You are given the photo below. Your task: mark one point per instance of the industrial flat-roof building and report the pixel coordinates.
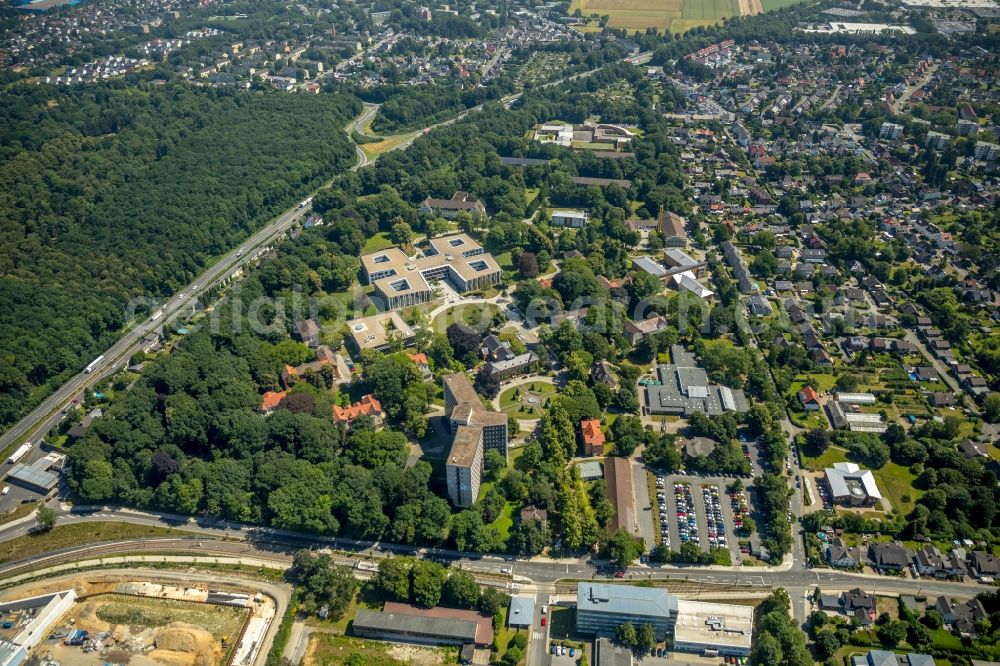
(400, 281)
(601, 607)
(606, 653)
(41, 476)
(717, 629)
(855, 421)
(851, 485)
(684, 389)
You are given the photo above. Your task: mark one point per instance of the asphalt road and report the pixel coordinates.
(358, 125)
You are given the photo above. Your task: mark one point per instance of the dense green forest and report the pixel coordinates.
(114, 192)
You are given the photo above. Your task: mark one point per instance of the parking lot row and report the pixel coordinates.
(696, 510)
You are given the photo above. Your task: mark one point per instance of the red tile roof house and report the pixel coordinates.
(271, 400)
(367, 406)
(593, 438)
(809, 398)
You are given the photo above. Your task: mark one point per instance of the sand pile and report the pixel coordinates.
(182, 644)
(87, 619)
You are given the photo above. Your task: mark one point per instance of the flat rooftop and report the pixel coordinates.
(704, 623)
(403, 275)
(374, 332)
(625, 600)
(465, 445)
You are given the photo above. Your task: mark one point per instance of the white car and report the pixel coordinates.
(506, 570)
(545, 610)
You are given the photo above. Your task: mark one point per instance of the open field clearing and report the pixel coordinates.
(335, 650)
(674, 15)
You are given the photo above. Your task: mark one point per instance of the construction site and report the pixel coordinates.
(100, 618)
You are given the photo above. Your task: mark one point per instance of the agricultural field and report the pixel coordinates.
(674, 15)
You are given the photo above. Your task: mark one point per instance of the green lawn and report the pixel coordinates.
(771, 5)
(896, 481)
(505, 520)
(478, 315)
(823, 382)
(379, 241)
(832, 455)
(519, 408)
(504, 260)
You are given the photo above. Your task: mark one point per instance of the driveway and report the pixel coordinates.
(643, 508)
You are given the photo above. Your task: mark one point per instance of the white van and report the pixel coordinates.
(6, 489)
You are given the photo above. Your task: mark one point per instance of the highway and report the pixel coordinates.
(358, 125)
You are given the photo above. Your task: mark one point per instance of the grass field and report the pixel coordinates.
(771, 5)
(897, 484)
(477, 315)
(334, 650)
(543, 391)
(832, 455)
(379, 241)
(219, 621)
(373, 150)
(64, 536)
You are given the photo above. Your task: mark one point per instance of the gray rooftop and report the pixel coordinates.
(522, 611)
(33, 475)
(684, 388)
(650, 266)
(460, 630)
(625, 600)
(591, 469)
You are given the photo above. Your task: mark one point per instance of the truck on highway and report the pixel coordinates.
(156, 315)
(306, 202)
(19, 453)
(93, 364)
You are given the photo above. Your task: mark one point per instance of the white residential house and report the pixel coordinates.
(569, 218)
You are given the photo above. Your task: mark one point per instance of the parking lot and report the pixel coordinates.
(697, 509)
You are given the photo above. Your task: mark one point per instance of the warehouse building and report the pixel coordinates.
(41, 476)
(713, 629)
(600, 608)
(428, 626)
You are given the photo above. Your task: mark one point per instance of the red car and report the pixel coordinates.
(545, 621)
(619, 574)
